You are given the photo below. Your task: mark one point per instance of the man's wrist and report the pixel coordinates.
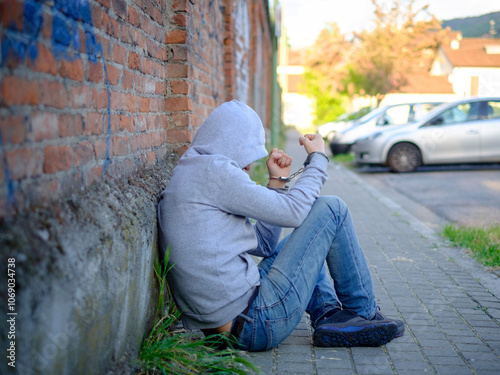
(277, 183)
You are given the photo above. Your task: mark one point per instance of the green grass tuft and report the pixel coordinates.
(484, 243)
(170, 350)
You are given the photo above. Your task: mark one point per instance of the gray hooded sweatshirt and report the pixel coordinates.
(204, 216)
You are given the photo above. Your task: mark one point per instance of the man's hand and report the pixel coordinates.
(278, 165)
(312, 142)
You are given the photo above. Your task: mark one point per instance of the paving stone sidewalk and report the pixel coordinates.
(452, 319)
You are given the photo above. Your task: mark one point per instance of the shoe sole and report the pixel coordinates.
(369, 335)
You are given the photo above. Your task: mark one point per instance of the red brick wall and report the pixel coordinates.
(96, 89)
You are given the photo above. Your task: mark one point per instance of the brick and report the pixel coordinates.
(54, 94)
(12, 14)
(141, 123)
(179, 87)
(94, 72)
(100, 147)
(143, 104)
(177, 71)
(134, 61)
(94, 124)
(82, 153)
(115, 123)
(178, 136)
(72, 69)
(180, 20)
(133, 17)
(182, 120)
(44, 125)
(96, 12)
(180, 53)
(70, 125)
(151, 158)
(45, 62)
(140, 41)
(181, 5)
(14, 130)
(160, 88)
(127, 123)
(146, 65)
(179, 104)
(111, 26)
(128, 80)
(131, 103)
(181, 150)
(47, 25)
(113, 74)
(176, 37)
(80, 96)
(19, 91)
(120, 145)
(23, 162)
(100, 98)
(120, 54)
(57, 158)
(120, 8)
(129, 35)
(105, 3)
(118, 100)
(157, 70)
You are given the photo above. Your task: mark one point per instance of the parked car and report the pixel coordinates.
(343, 121)
(387, 116)
(466, 131)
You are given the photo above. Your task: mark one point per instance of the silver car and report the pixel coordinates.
(465, 131)
(381, 118)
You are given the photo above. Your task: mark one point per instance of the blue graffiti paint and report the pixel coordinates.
(8, 181)
(22, 43)
(65, 44)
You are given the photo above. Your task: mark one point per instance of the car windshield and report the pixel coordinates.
(370, 115)
(433, 112)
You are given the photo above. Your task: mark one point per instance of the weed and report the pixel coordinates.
(484, 243)
(169, 350)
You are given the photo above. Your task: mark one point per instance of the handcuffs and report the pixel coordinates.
(306, 163)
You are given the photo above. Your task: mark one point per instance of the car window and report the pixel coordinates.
(455, 114)
(493, 109)
(398, 115)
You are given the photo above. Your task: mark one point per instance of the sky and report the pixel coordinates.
(305, 18)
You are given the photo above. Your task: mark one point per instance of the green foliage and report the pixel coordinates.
(484, 243)
(328, 104)
(169, 350)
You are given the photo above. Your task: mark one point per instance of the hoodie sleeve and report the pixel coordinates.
(239, 195)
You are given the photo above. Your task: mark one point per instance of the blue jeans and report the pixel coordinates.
(294, 279)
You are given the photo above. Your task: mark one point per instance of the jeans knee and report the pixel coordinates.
(333, 203)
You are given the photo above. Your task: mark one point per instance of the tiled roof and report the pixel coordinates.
(471, 52)
(426, 84)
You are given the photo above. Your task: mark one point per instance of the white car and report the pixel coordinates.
(465, 131)
(385, 117)
(344, 121)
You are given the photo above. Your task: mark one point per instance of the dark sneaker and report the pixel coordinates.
(346, 328)
(399, 323)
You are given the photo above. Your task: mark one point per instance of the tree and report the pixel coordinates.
(402, 42)
(323, 77)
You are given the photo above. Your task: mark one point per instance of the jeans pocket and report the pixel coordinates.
(277, 330)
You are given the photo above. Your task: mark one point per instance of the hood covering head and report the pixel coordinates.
(233, 130)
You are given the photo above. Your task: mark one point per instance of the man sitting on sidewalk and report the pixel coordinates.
(213, 216)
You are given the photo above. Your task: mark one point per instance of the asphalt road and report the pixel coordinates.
(467, 195)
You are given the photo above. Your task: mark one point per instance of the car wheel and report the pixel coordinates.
(404, 157)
